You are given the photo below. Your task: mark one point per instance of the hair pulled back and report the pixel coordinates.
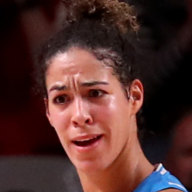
(106, 28)
(110, 11)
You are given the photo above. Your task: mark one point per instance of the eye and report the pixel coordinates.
(96, 93)
(61, 99)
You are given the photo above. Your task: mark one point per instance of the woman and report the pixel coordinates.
(92, 95)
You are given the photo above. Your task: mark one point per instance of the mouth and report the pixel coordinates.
(87, 141)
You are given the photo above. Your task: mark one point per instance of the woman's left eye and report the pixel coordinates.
(96, 93)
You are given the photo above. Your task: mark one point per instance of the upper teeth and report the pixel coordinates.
(87, 139)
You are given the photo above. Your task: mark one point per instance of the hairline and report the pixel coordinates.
(91, 51)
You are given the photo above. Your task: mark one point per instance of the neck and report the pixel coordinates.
(125, 173)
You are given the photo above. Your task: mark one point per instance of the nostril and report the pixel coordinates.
(81, 122)
(87, 121)
(75, 123)
(81, 118)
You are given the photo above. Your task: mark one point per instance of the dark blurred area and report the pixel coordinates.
(26, 24)
(179, 156)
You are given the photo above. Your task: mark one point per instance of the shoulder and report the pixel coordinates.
(161, 180)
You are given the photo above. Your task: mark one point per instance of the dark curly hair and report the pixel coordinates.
(106, 28)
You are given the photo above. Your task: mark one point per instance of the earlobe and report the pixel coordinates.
(47, 109)
(136, 95)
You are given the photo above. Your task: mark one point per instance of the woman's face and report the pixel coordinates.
(89, 109)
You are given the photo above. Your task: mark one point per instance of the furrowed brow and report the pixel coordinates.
(92, 83)
(84, 84)
(58, 88)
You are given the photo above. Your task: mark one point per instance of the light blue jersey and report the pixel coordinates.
(159, 180)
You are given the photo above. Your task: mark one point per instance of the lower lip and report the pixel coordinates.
(88, 148)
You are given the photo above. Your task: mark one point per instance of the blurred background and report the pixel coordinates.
(26, 24)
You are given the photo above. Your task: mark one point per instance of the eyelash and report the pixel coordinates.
(99, 92)
(64, 97)
(93, 93)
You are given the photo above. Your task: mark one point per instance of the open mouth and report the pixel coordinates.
(87, 142)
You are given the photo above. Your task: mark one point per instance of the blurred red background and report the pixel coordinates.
(26, 24)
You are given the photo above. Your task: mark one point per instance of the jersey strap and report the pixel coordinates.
(159, 180)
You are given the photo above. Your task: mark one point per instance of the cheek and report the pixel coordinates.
(102, 113)
(60, 123)
(59, 120)
(110, 118)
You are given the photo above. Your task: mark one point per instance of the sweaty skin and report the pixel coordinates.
(96, 122)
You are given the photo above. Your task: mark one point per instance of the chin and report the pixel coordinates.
(90, 166)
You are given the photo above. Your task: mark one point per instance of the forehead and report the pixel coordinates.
(77, 63)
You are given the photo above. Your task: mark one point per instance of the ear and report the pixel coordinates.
(136, 94)
(46, 102)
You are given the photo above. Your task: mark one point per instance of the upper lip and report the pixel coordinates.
(85, 137)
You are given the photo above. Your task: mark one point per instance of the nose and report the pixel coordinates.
(80, 113)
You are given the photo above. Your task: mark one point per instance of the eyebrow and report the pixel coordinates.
(84, 84)
(92, 83)
(58, 88)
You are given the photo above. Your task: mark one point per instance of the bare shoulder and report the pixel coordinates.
(171, 190)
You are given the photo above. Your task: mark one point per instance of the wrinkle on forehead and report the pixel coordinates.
(74, 82)
(67, 83)
(76, 66)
